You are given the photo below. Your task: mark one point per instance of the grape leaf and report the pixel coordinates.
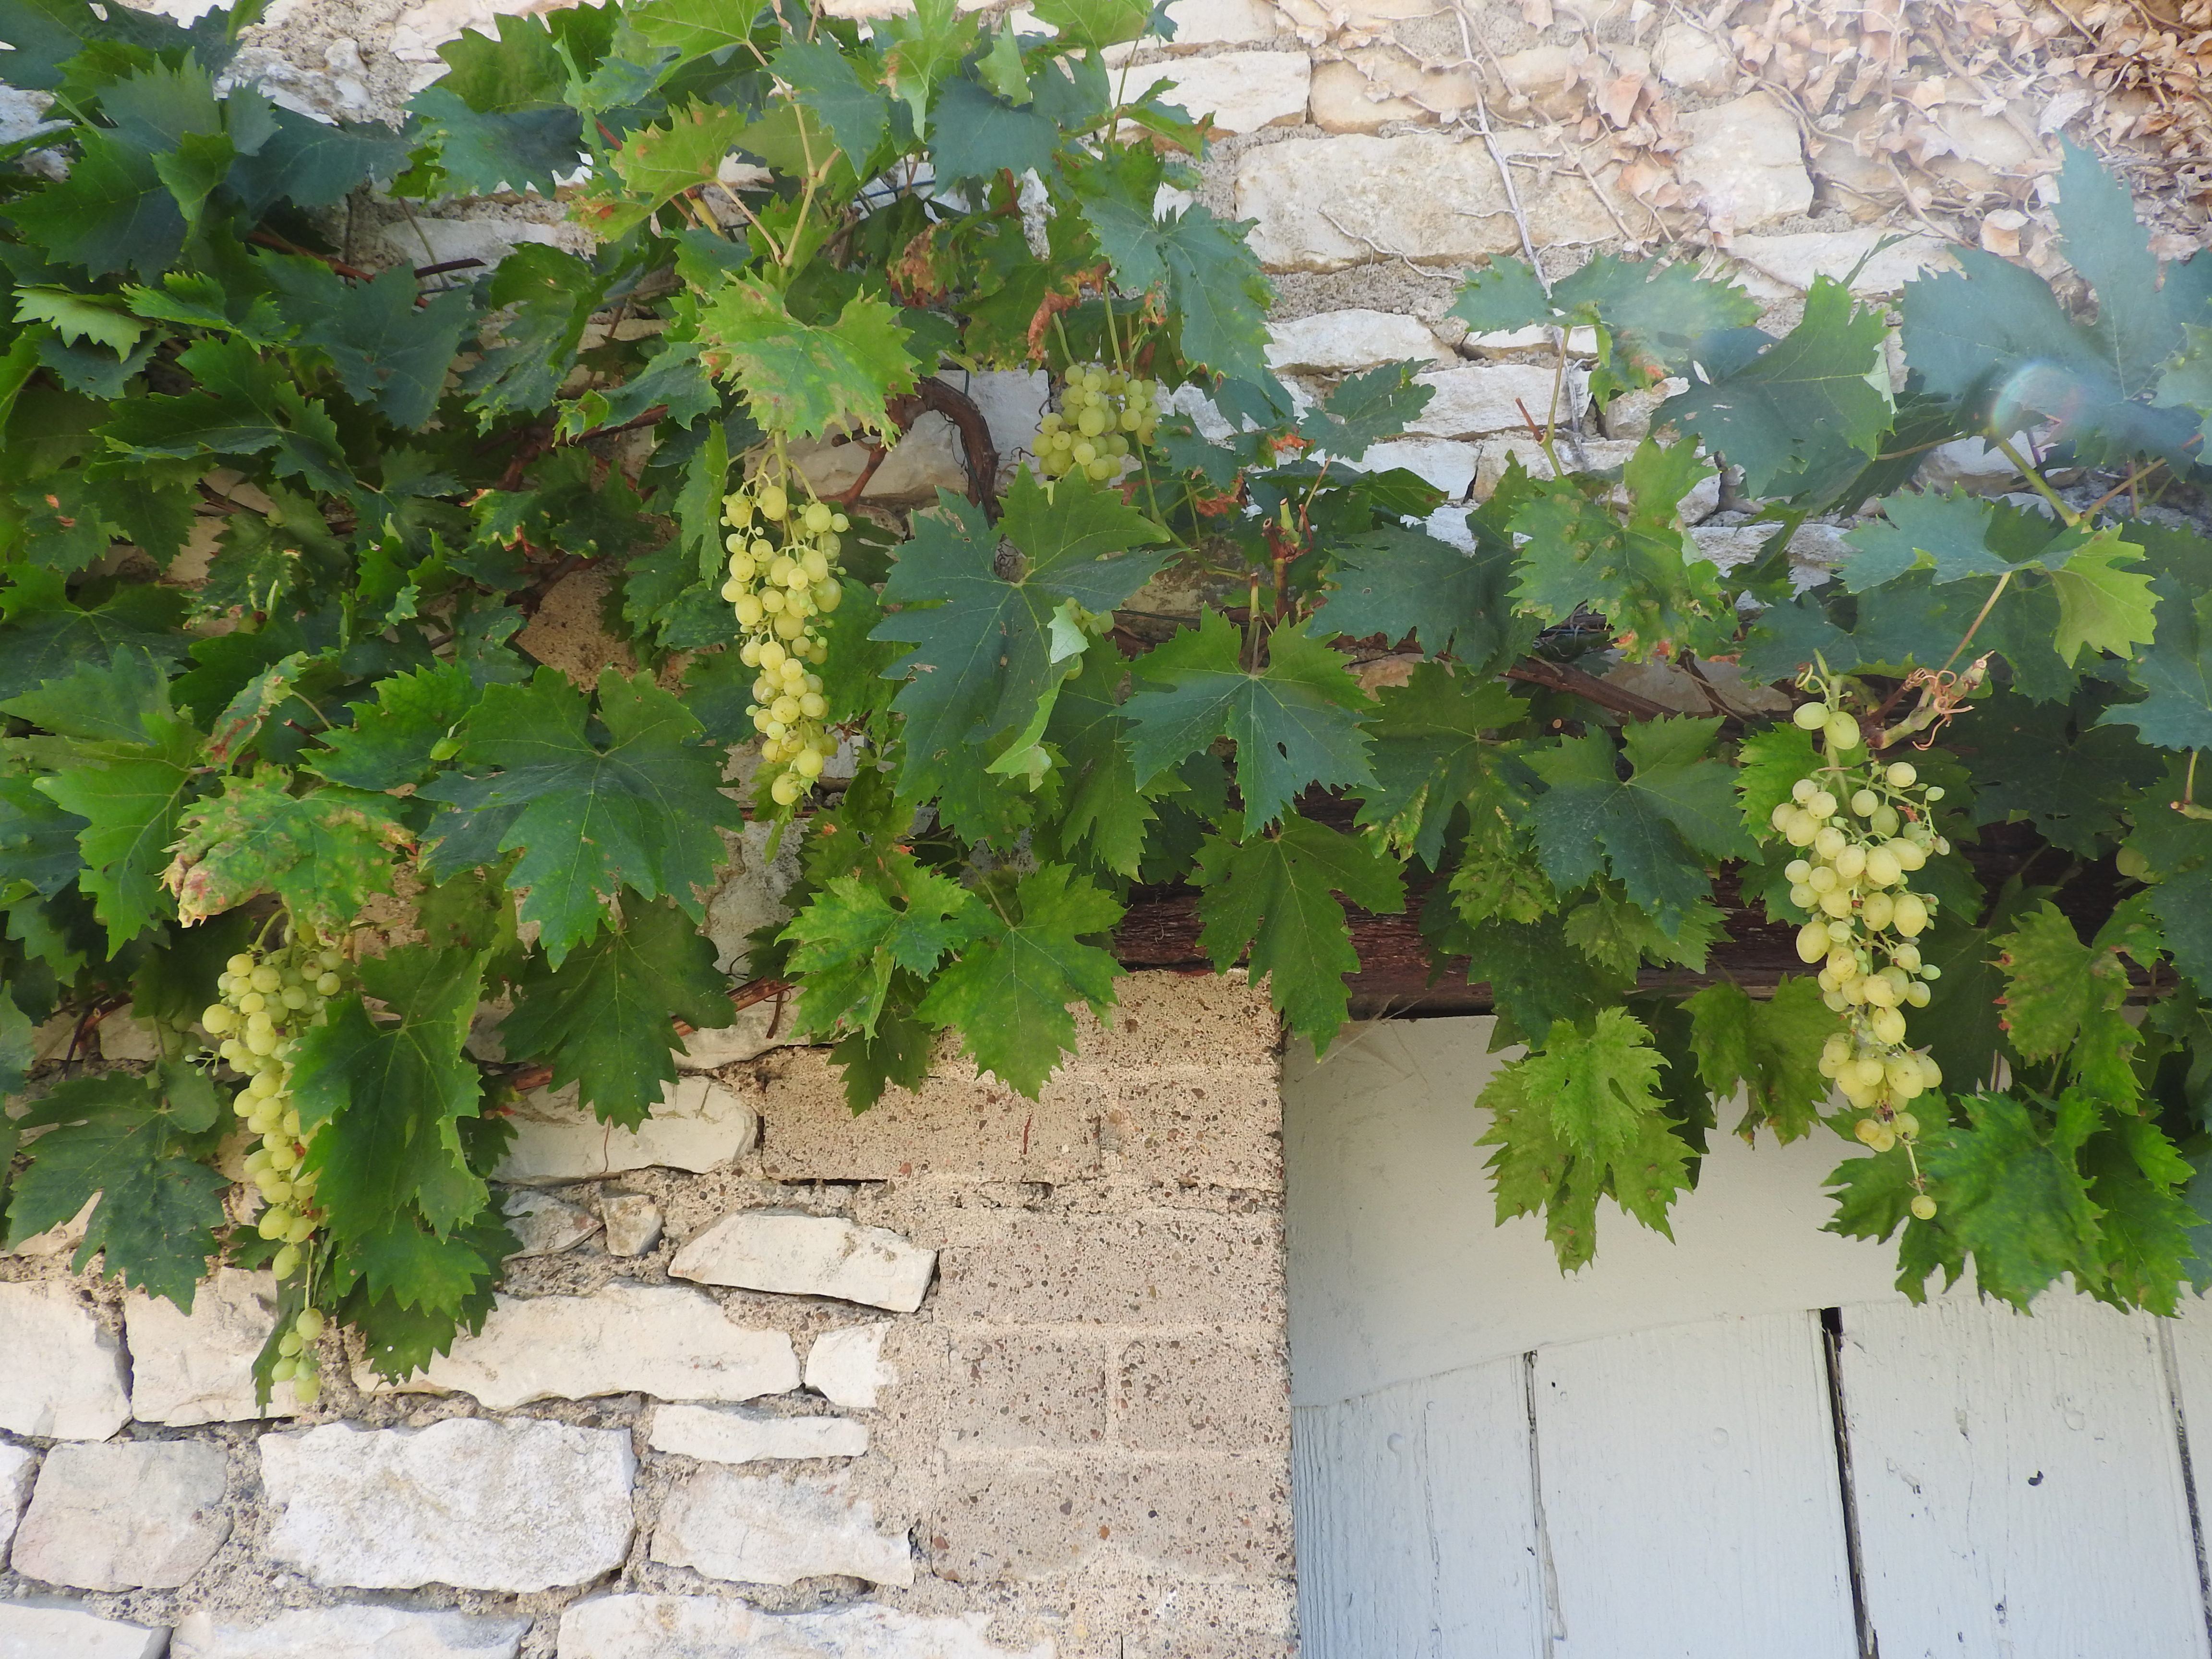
(1770, 1049)
(976, 134)
(1007, 994)
(113, 212)
(852, 937)
(1946, 533)
(601, 1018)
(2136, 330)
(1275, 893)
(798, 377)
(393, 735)
(825, 82)
(2010, 1192)
(1102, 805)
(1650, 316)
(1874, 1199)
(2030, 763)
(1657, 831)
(1363, 409)
(1430, 755)
(1396, 582)
(246, 404)
(2137, 1180)
(1616, 934)
(131, 1141)
(1768, 765)
(1095, 25)
(130, 797)
(657, 164)
(2063, 1000)
(2101, 607)
(38, 839)
(95, 319)
(546, 296)
(1213, 283)
(124, 699)
(381, 1099)
(1295, 722)
(2177, 672)
(390, 343)
(324, 854)
(642, 810)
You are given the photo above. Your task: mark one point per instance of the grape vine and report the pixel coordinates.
(278, 511)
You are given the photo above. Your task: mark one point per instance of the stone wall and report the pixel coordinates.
(965, 1376)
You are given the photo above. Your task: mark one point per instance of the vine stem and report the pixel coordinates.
(2067, 515)
(1988, 605)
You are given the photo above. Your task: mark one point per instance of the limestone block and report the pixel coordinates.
(1326, 203)
(45, 1629)
(758, 1529)
(19, 1468)
(729, 1434)
(545, 1226)
(1345, 342)
(1581, 342)
(663, 1340)
(751, 895)
(135, 1515)
(1242, 91)
(360, 1631)
(199, 1367)
(925, 458)
(699, 1125)
(1449, 466)
(61, 1375)
(1343, 99)
(1485, 397)
(484, 238)
(1688, 58)
(711, 1628)
(1968, 463)
(1223, 22)
(809, 1255)
(757, 1028)
(61, 1238)
(1778, 267)
(847, 1368)
(1744, 161)
(634, 1223)
(519, 1506)
(1011, 402)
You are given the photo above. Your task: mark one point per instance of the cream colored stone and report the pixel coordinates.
(926, 458)
(49, 1629)
(699, 1125)
(846, 1366)
(663, 1340)
(1242, 91)
(1490, 398)
(426, 241)
(19, 1469)
(358, 1631)
(1440, 461)
(723, 1434)
(750, 895)
(519, 1506)
(1789, 264)
(1345, 342)
(809, 1255)
(1744, 162)
(758, 1529)
(1223, 23)
(1971, 465)
(1581, 342)
(1343, 99)
(713, 1627)
(545, 1226)
(133, 1515)
(1688, 58)
(199, 1367)
(634, 1223)
(758, 1028)
(60, 1239)
(61, 1375)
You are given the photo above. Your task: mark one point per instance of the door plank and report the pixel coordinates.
(2018, 1482)
(1690, 1495)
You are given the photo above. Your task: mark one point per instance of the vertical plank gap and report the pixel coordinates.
(2170, 1363)
(1832, 1350)
(1555, 1623)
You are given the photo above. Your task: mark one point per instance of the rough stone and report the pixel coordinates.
(720, 1434)
(61, 1375)
(926, 457)
(135, 1515)
(63, 1237)
(711, 1628)
(809, 1255)
(519, 1506)
(1345, 342)
(1026, 1391)
(749, 897)
(699, 1125)
(19, 1468)
(1581, 342)
(1449, 466)
(846, 1367)
(1242, 91)
(634, 1223)
(56, 1630)
(1789, 264)
(485, 239)
(1744, 161)
(757, 1030)
(360, 1631)
(1118, 1270)
(1191, 1389)
(1343, 99)
(1327, 203)
(1971, 465)
(1489, 397)
(199, 1367)
(546, 1226)
(663, 1340)
(1689, 57)
(1223, 23)
(758, 1529)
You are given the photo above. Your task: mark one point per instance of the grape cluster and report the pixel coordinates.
(267, 999)
(783, 573)
(1102, 414)
(1863, 827)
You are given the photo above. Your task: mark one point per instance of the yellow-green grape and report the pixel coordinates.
(1811, 717)
(1924, 1207)
(281, 1372)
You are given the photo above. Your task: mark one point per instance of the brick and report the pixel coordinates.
(1203, 1392)
(1023, 1391)
(1149, 1270)
(1177, 1019)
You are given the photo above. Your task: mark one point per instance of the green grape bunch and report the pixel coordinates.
(782, 577)
(1863, 827)
(267, 999)
(1105, 417)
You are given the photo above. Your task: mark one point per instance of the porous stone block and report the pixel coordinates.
(61, 1375)
(1193, 1391)
(699, 1125)
(1119, 1270)
(712, 1627)
(1242, 91)
(634, 1223)
(19, 1469)
(663, 1340)
(1326, 203)
(809, 1255)
(720, 1434)
(758, 1529)
(55, 1630)
(1348, 341)
(1744, 162)
(136, 1514)
(519, 1506)
(545, 1226)
(1202, 1022)
(360, 1631)
(197, 1367)
(1485, 397)
(846, 1367)
(1024, 1391)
